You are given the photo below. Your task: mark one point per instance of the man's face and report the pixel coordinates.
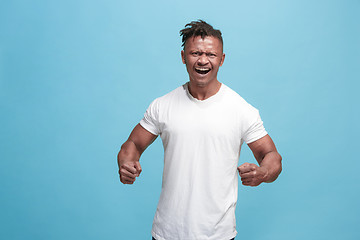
(203, 57)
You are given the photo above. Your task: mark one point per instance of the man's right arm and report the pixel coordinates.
(131, 150)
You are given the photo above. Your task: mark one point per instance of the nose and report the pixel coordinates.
(203, 60)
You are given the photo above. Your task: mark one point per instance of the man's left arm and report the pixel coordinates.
(269, 160)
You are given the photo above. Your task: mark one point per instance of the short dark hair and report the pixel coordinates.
(199, 28)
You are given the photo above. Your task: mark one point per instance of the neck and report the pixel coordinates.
(203, 92)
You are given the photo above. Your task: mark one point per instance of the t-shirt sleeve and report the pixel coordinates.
(150, 120)
(254, 128)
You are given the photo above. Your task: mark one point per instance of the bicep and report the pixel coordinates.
(141, 138)
(261, 147)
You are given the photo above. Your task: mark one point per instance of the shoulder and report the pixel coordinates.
(236, 100)
(179, 91)
(169, 97)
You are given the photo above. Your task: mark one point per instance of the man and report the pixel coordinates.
(202, 125)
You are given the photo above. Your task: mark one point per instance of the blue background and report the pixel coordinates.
(76, 77)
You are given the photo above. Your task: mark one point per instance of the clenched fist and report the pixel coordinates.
(252, 175)
(128, 161)
(129, 171)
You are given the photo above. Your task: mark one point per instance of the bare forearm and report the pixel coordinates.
(272, 163)
(128, 161)
(129, 151)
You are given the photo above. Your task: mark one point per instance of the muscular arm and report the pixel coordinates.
(269, 160)
(131, 150)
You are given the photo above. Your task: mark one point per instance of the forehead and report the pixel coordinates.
(209, 43)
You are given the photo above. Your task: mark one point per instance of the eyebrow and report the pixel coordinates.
(199, 51)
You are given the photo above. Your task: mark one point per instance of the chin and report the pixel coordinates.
(202, 82)
(199, 83)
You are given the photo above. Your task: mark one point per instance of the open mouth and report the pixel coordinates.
(202, 70)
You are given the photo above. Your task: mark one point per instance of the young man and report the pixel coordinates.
(202, 125)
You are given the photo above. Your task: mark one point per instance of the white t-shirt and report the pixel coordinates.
(202, 142)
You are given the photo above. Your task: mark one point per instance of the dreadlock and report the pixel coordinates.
(199, 28)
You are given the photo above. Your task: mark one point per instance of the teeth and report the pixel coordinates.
(202, 69)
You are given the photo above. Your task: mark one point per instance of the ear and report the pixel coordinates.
(183, 56)
(222, 59)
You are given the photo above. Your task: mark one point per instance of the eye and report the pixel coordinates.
(195, 54)
(211, 55)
